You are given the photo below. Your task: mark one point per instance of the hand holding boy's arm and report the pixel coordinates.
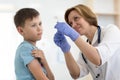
(38, 54)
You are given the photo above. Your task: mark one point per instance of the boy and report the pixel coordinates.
(30, 63)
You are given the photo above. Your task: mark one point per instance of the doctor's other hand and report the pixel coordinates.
(64, 28)
(61, 41)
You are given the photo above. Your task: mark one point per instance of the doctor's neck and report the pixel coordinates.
(91, 33)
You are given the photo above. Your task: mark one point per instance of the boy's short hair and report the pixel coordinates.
(24, 14)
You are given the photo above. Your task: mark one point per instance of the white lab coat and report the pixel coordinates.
(109, 51)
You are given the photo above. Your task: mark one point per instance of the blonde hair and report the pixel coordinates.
(85, 12)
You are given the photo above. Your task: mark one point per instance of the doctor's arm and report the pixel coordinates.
(88, 50)
(61, 42)
(72, 65)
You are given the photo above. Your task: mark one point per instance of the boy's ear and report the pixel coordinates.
(20, 30)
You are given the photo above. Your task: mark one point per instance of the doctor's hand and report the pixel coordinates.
(61, 41)
(64, 28)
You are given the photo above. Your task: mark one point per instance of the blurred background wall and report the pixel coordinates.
(49, 10)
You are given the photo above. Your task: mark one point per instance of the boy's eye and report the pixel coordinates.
(33, 25)
(40, 23)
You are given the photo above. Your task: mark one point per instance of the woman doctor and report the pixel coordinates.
(100, 53)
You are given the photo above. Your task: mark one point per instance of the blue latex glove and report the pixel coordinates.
(61, 41)
(64, 28)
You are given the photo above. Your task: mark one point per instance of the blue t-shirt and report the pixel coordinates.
(22, 58)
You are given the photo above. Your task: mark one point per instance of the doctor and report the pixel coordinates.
(100, 53)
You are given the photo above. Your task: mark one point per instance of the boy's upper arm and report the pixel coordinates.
(36, 69)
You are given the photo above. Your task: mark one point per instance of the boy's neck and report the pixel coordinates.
(31, 42)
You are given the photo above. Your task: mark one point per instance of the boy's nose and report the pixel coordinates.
(39, 28)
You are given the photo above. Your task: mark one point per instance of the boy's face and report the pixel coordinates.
(32, 30)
